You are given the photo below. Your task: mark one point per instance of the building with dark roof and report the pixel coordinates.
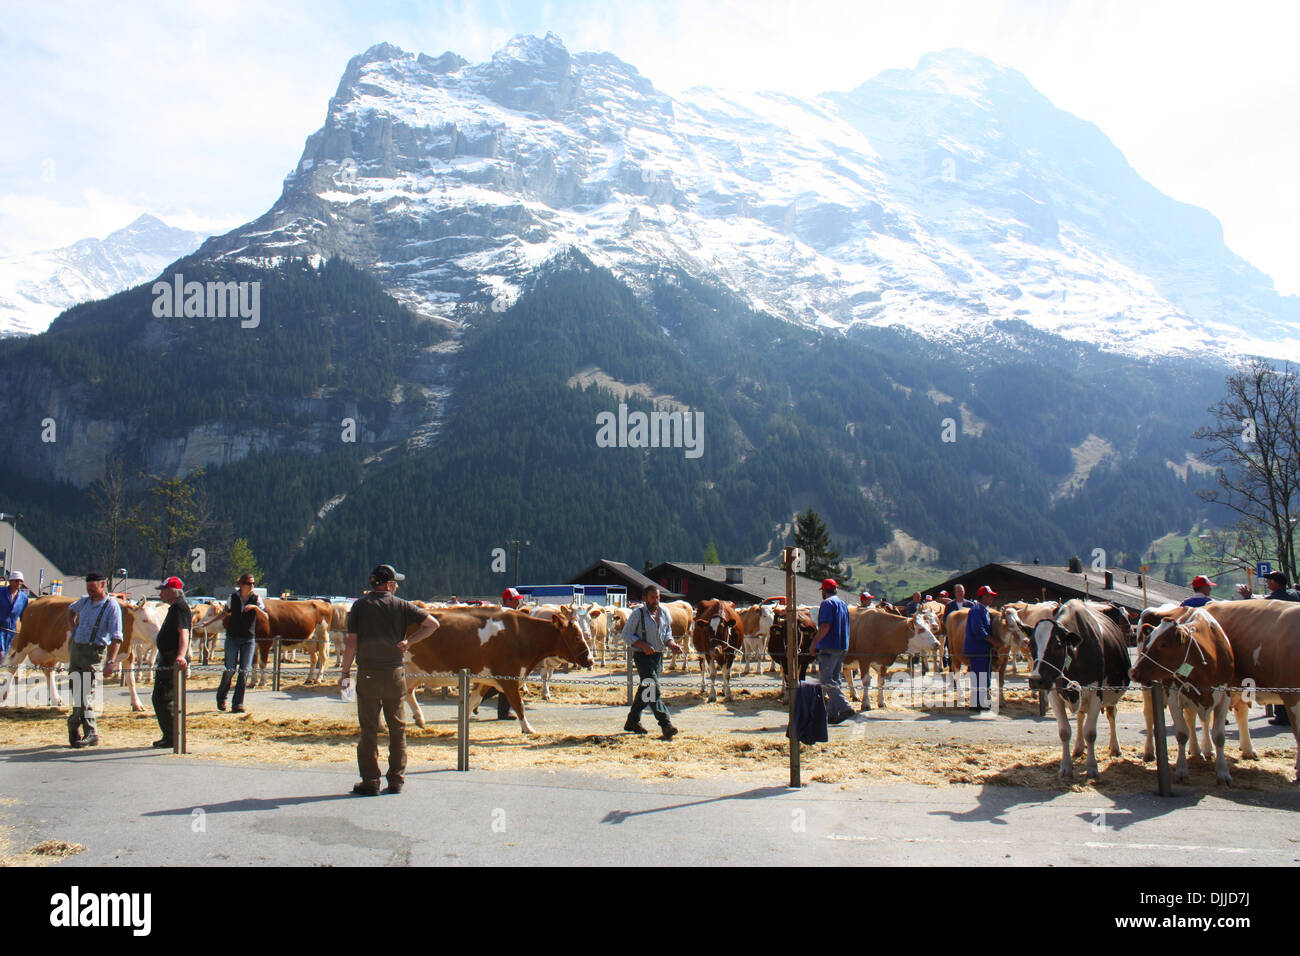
(1043, 582)
(605, 572)
(741, 583)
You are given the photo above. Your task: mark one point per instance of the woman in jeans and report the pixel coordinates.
(241, 626)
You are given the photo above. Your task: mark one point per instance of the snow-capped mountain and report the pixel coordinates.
(941, 198)
(35, 288)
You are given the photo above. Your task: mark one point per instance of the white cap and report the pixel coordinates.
(16, 576)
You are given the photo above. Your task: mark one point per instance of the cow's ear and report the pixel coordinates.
(1069, 638)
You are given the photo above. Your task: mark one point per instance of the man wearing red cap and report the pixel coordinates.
(830, 645)
(1201, 585)
(173, 642)
(978, 648)
(865, 599)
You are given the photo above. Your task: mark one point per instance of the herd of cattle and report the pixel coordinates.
(1212, 659)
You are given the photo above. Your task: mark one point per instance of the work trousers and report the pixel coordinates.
(238, 654)
(383, 689)
(830, 666)
(164, 695)
(649, 668)
(85, 670)
(980, 677)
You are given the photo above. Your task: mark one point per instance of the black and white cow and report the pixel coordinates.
(1081, 659)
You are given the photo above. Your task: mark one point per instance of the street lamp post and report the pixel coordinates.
(517, 545)
(13, 535)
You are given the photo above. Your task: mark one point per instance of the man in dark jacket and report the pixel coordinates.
(978, 648)
(241, 627)
(173, 642)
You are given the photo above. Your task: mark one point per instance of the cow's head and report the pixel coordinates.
(1054, 649)
(921, 640)
(1163, 651)
(717, 627)
(1011, 630)
(572, 642)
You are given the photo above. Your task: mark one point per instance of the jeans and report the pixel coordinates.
(238, 653)
(830, 663)
(649, 668)
(383, 689)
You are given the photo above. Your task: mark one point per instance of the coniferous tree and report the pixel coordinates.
(811, 534)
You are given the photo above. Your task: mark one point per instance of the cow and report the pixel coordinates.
(1029, 616)
(718, 636)
(1265, 640)
(1008, 633)
(877, 638)
(1081, 659)
(776, 643)
(141, 653)
(206, 625)
(1194, 660)
(338, 627)
(294, 622)
(1149, 619)
(493, 641)
(43, 639)
(757, 622)
(681, 615)
(598, 638)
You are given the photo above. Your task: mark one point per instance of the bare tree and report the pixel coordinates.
(170, 520)
(1253, 442)
(115, 516)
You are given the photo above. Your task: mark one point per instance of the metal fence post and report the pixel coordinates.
(1164, 784)
(462, 722)
(178, 709)
(275, 668)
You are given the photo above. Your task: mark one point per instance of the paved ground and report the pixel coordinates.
(153, 808)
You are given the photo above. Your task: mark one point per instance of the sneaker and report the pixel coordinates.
(160, 744)
(633, 728)
(669, 731)
(221, 704)
(364, 789)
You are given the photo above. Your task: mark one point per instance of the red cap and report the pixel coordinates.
(986, 590)
(1201, 581)
(830, 585)
(868, 595)
(943, 594)
(510, 593)
(172, 582)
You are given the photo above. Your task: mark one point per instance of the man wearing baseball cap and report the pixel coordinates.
(1277, 591)
(13, 601)
(1202, 586)
(865, 599)
(95, 625)
(830, 645)
(173, 644)
(377, 640)
(979, 648)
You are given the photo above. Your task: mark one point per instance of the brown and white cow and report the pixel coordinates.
(757, 622)
(492, 641)
(1148, 621)
(1194, 660)
(1081, 659)
(305, 623)
(717, 635)
(205, 627)
(776, 647)
(681, 615)
(877, 638)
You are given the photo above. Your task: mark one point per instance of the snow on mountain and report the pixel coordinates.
(941, 198)
(35, 288)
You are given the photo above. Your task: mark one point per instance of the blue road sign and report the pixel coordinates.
(1263, 569)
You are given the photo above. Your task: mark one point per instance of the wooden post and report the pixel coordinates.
(462, 722)
(1163, 781)
(178, 709)
(275, 667)
(630, 691)
(792, 665)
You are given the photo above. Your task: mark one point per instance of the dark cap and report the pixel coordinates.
(385, 573)
(1276, 576)
(92, 578)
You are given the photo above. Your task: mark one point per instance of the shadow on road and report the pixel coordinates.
(618, 816)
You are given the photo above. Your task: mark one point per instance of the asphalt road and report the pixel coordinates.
(153, 808)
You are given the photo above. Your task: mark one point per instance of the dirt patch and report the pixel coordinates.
(857, 758)
(42, 854)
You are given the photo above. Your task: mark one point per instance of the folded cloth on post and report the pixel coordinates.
(810, 714)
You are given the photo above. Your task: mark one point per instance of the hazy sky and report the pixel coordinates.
(195, 111)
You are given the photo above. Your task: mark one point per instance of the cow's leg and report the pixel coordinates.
(416, 713)
(848, 679)
(1149, 718)
(880, 687)
(1293, 710)
(1111, 713)
(1081, 718)
(1220, 713)
(726, 680)
(1241, 710)
(1063, 730)
(1206, 739)
(1094, 712)
(511, 689)
(1181, 733)
(129, 664)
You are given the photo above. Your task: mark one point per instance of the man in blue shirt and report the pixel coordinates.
(13, 601)
(95, 624)
(830, 645)
(649, 630)
(978, 647)
(1202, 586)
